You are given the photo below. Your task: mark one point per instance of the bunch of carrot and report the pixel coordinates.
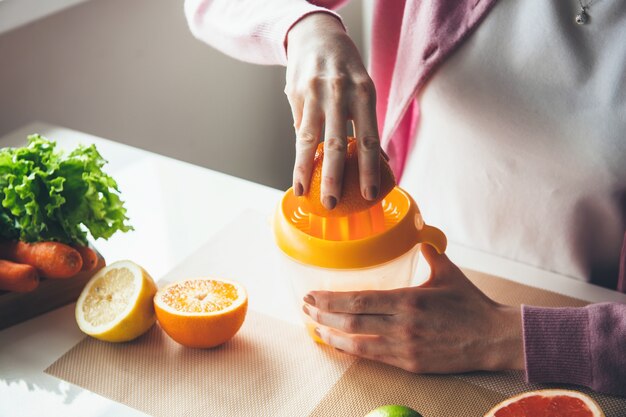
(22, 264)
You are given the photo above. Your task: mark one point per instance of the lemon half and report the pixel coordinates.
(116, 304)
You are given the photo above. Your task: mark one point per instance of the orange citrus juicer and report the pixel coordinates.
(360, 240)
(372, 249)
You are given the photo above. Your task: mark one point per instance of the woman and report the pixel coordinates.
(515, 145)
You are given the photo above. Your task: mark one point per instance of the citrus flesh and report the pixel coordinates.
(116, 304)
(201, 312)
(351, 200)
(553, 403)
(393, 411)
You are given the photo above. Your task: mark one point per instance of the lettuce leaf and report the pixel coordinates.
(46, 195)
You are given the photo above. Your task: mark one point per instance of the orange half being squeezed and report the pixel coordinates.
(351, 200)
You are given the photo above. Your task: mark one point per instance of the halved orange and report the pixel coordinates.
(201, 312)
(351, 200)
(548, 402)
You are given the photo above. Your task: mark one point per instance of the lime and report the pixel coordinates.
(393, 411)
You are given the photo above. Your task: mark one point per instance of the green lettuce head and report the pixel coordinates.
(46, 195)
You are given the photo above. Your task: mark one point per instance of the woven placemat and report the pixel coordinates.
(367, 385)
(272, 368)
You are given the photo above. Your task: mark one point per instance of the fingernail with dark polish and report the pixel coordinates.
(329, 202)
(298, 189)
(371, 192)
(309, 299)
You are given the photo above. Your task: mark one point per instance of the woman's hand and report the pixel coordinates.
(327, 86)
(444, 326)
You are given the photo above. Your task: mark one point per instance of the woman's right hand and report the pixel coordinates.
(328, 86)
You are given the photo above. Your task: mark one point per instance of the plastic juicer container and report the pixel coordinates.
(375, 249)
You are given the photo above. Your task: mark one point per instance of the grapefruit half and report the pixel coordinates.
(549, 402)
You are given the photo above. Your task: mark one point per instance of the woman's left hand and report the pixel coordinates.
(446, 325)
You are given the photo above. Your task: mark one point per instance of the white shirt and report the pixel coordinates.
(521, 148)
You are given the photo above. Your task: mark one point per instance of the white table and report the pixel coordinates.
(174, 207)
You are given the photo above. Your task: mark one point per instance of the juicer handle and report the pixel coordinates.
(434, 237)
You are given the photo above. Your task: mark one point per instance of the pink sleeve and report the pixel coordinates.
(583, 346)
(251, 30)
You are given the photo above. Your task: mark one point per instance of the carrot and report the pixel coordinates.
(17, 277)
(51, 259)
(89, 257)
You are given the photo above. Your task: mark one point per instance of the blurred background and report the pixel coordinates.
(130, 71)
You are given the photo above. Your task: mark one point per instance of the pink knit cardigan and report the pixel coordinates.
(411, 38)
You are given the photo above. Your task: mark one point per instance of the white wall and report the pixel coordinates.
(16, 13)
(129, 70)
